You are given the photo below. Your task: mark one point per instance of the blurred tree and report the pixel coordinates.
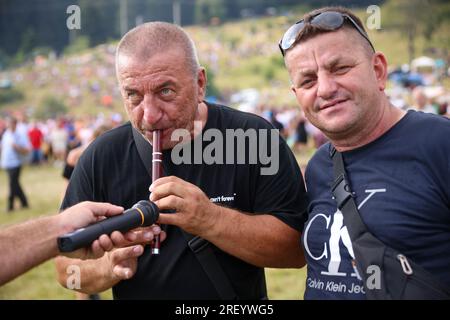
(99, 20)
(28, 40)
(211, 89)
(207, 9)
(50, 107)
(233, 8)
(414, 18)
(79, 44)
(4, 59)
(10, 95)
(46, 19)
(158, 10)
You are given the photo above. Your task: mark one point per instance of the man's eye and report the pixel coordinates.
(306, 83)
(342, 69)
(131, 94)
(133, 97)
(166, 91)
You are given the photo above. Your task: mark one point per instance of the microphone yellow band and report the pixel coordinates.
(142, 215)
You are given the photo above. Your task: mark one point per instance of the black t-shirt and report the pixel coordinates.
(67, 171)
(277, 124)
(111, 170)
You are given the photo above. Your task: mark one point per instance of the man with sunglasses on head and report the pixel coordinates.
(397, 162)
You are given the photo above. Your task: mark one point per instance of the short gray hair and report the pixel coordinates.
(149, 38)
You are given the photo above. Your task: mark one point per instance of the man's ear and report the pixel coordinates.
(380, 68)
(201, 84)
(293, 89)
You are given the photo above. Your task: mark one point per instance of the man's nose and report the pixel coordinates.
(152, 112)
(327, 86)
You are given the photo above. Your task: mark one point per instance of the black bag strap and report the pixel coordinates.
(204, 253)
(199, 246)
(144, 149)
(343, 195)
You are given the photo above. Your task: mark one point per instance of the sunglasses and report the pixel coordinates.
(329, 20)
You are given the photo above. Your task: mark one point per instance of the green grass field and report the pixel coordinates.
(43, 186)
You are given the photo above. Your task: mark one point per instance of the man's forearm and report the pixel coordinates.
(27, 245)
(94, 275)
(262, 240)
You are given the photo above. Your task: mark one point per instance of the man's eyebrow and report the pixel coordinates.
(302, 73)
(164, 84)
(128, 88)
(335, 61)
(307, 72)
(155, 87)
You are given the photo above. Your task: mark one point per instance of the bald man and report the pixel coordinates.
(232, 219)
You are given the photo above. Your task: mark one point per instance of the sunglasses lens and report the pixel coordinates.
(328, 20)
(290, 35)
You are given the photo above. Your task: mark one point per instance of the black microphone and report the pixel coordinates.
(142, 214)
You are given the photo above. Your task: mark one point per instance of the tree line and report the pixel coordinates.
(29, 27)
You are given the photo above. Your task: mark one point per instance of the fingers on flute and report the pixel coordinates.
(167, 189)
(171, 182)
(161, 181)
(170, 202)
(169, 218)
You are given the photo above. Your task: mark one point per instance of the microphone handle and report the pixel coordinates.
(83, 237)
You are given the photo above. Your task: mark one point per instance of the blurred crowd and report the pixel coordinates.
(88, 79)
(51, 141)
(79, 79)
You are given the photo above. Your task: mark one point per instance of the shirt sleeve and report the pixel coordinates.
(80, 187)
(67, 171)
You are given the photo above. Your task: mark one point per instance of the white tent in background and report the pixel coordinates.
(246, 100)
(423, 64)
(426, 67)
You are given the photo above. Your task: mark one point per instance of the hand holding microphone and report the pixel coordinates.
(142, 214)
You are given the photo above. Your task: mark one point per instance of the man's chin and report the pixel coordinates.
(336, 128)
